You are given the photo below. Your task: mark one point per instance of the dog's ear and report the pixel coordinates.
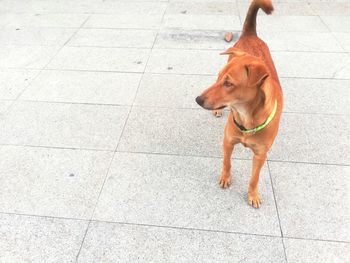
(233, 51)
(256, 73)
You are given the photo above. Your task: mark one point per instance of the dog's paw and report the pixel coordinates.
(254, 200)
(217, 113)
(225, 181)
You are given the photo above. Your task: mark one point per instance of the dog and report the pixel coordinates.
(248, 84)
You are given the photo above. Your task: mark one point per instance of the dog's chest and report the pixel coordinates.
(248, 145)
(248, 142)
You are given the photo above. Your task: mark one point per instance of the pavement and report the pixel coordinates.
(105, 157)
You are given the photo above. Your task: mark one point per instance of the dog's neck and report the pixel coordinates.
(252, 113)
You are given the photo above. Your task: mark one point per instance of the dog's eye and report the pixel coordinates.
(228, 84)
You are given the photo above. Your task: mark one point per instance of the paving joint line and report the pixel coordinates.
(330, 31)
(83, 240)
(56, 147)
(5, 112)
(179, 155)
(44, 216)
(316, 239)
(305, 162)
(277, 212)
(65, 43)
(185, 228)
(118, 105)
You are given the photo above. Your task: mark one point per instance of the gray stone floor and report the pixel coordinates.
(105, 157)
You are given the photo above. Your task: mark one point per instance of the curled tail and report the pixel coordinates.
(250, 20)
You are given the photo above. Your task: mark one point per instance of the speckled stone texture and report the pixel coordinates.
(106, 157)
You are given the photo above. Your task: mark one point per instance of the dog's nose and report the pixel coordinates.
(200, 100)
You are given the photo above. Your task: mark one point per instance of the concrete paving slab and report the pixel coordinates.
(301, 41)
(200, 1)
(35, 36)
(312, 200)
(322, 96)
(61, 6)
(184, 192)
(337, 23)
(174, 61)
(13, 82)
(100, 59)
(132, 8)
(26, 57)
(344, 40)
(291, 23)
(83, 87)
(42, 20)
(176, 131)
(312, 138)
(316, 251)
(206, 22)
(193, 39)
(202, 8)
(63, 125)
(33, 239)
(4, 106)
(312, 65)
(114, 38)
(331, 8)
(151, 21)
(172, 91)
(285, 8)
(107, 242)
(51, 182)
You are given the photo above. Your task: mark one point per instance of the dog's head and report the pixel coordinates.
(240, 81)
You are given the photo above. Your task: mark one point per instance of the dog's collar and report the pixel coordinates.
(261, 126)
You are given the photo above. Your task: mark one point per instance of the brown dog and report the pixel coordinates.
(248, 84)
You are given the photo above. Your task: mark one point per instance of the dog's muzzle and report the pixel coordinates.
(201, 102)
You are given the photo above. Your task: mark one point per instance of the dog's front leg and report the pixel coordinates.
(253, 192)
(225, 178)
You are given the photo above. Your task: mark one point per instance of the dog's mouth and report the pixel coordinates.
(220, 108)
(212, 108)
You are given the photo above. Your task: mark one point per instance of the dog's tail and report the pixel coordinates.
(249, 26)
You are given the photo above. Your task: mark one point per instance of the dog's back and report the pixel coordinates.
(249, 41)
